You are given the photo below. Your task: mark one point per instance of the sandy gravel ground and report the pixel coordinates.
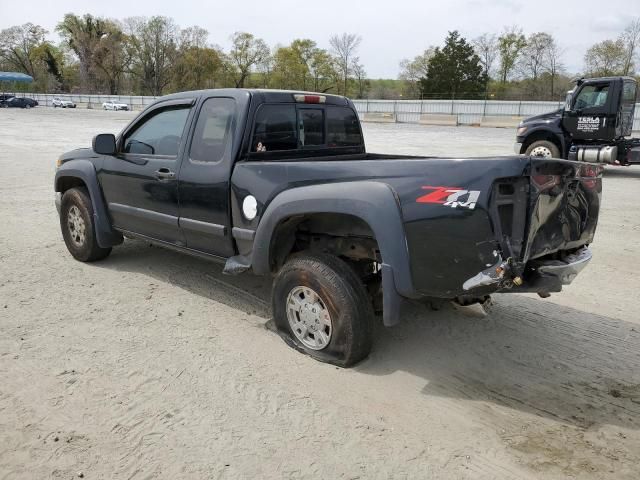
(152, 364)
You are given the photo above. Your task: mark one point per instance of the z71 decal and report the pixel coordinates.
(453, 197)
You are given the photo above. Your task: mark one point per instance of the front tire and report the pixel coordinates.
(78, 229)
(321, 308)
(544, 149)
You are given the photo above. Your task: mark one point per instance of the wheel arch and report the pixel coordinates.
(375, 207)
(81, 173)
(544, 134)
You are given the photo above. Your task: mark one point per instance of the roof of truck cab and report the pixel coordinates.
(267, 95)
(608, 79)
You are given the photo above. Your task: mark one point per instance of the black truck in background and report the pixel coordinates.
(593, 126)
(279, 183)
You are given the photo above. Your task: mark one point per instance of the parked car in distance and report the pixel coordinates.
(62, 103)
(19, 102)
(115, 106)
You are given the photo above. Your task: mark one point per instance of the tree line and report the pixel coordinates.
(154, 56)
(511, 65)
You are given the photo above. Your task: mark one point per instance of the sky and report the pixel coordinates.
(390, 30)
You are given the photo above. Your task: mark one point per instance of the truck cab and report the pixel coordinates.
(593, 126)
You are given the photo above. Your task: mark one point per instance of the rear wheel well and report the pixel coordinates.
(340, 234)
(65, 183)
(345, 236)
(542, 135)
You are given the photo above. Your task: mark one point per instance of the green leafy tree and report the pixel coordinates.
(82, 35)
(198, 65)
(606, 58)
(454, 70)
(289, 71)
(111, 57)
(323, 72)
(510, 46)
(19, 47)
(247, 52)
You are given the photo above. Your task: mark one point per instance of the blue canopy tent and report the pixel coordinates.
(14, 77)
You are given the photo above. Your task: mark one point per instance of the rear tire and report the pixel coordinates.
(543, 148)
(78, 229)
(321, 308)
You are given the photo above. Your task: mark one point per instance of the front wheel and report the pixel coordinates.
(321, 308)
(78, 229)
(544, 149)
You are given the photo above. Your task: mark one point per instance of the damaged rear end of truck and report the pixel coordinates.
(523, 225)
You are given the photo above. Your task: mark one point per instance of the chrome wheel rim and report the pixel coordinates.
(76, 226)
(541, 152)
(309, 318)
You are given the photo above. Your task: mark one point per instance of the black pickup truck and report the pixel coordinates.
(279, 183)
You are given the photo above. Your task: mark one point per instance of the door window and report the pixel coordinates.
(213, 132)
(592, 96)
(159, 134)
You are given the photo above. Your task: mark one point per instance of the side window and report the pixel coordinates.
(592, 96)
(311, 126)
(629, 92)
(275, 129)
(213, 130)
(158, 135)
(343, 127)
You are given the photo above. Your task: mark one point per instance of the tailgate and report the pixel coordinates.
(555, 208)
(530, 214)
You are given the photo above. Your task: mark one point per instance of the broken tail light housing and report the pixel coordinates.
(545, 182)
(589, 175)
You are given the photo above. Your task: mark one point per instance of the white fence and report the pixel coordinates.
(468, 112)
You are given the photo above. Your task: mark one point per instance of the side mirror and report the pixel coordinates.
(104, 144)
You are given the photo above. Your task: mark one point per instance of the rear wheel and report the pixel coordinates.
(78, 229)
(321, 308)
(543, 148)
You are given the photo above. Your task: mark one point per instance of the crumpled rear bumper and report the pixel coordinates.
(551, 275)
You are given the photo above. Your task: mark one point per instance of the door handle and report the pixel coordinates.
(165, 174)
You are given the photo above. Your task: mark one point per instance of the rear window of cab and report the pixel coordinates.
(285, 127)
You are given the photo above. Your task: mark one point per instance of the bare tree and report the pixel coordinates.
(412, 71)
(345, 47)
(631, 39)
(486, 47)
(154, 44)
(553, 63)
(534, 54)
(361, 76)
